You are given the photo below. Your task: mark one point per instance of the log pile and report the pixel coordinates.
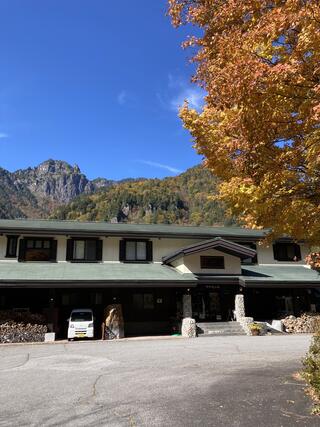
(12, 332)
(306, 323)
(16, 327)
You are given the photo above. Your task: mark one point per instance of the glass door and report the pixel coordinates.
(206, 305)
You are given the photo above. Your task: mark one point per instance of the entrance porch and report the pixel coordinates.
(146, 311)
(214, 302)
(270, 303)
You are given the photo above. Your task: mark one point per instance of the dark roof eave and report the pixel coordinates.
(110, 229)
(98, 283)
(104, 233)
(279, 283)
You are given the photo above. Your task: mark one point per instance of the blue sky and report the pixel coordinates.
(96, 83)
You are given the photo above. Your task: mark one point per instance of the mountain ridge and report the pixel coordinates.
(55, 189)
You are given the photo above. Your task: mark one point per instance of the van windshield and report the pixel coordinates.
(81, 316)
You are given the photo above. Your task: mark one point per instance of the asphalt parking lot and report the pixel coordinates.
(208, 381)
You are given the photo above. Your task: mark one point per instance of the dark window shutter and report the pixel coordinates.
(122, 250)
(297, 252)
(149, 251)
(69, 250)
(99, 250)
(53, 250)
(22, 250)
(12, 244)
(276, 252)
(90, 250)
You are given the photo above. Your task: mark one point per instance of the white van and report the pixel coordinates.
(80, 324)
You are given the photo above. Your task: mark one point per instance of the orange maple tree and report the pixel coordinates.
(259, 131)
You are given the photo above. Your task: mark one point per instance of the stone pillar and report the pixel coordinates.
(239, 307)
(186, 306)
(240, 314)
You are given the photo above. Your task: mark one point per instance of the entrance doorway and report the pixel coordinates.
(212, 303)
(206, 305)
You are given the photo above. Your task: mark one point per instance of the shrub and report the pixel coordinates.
(311, 371)
(313, 259)
(255, 328)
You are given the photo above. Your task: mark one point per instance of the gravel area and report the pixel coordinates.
(209, 381)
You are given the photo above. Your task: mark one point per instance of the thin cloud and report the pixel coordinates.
(178, 91)
(194, 97)
(3, 135)
(175, 81)
(122, 97)
(161, 166)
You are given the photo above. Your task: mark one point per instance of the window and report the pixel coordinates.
(248, 261)
(81, 316)
(84, 250)
(79, 249)
(12, 244)
(286, 251)
(37, 249)
(212, 262)
(135, 250)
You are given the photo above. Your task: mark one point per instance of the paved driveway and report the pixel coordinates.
(213, 381)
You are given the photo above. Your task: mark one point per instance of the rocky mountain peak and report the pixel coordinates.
(54, 181)
(56, 167)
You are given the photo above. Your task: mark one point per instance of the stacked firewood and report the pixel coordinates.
(306, 323)
(12, 332)
(18, 327)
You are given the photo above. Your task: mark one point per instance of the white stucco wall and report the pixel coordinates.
(61, 248)
(191, 263)
(265, 255)
(110, 249)
(163, 247)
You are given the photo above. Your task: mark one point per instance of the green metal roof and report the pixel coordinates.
(91, 273)
(65, 274)
(255, 275)
(109, 229)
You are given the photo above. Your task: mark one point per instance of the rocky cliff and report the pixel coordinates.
(36, 192)
(54, 179)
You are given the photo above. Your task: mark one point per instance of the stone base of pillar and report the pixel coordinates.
(189, 328)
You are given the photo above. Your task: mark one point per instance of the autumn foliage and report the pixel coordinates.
(313, 259)
(259, 130)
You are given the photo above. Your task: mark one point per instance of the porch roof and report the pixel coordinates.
(279, 275)
(218, 244)
(91, 274)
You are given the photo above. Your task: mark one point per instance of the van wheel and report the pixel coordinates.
(70, 339)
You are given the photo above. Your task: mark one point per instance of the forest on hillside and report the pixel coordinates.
(184, 199)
